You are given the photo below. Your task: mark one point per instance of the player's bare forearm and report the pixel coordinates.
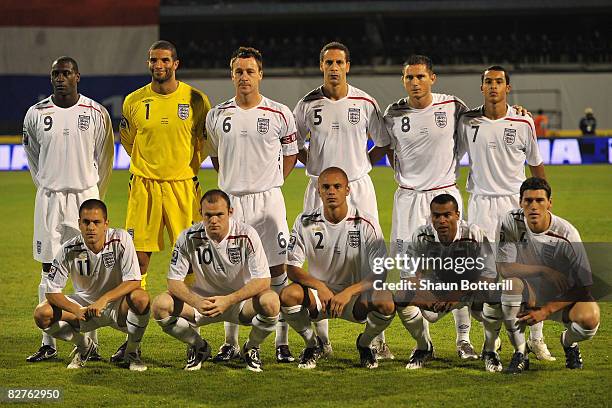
(518, 270)
(299, 275)
(288, 164)
(61, 301)
(303, 156)
(120, 291)
(251, 289)
(538, 171)
(376, 153)
(181, 291)
(215, 163)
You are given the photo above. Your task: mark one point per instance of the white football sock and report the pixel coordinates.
(375, 324)
(136, 326)
(535, 331)
(413, 321)
(180, 329)
(322, 330)
(511, 305)
(47, 340)
(299, 319)
(277, 284)
(463, 324)
(576, 333)
(231, 334)
(262, 327)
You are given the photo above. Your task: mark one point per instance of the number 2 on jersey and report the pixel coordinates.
(319, 244)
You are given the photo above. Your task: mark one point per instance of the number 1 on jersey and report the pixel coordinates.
(148, 108)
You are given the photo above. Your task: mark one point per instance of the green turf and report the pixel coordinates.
(581, 194)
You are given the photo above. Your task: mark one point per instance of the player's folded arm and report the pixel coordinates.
(178, 289)
(299, 275)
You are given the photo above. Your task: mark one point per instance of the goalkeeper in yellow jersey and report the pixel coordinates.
(163, 131)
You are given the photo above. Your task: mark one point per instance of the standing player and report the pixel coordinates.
(543, 256)
(338, 119)
(498, 142)
(163, 131)
(422, 128)
(232, 283)
(68, 139)
(102, 265)
(341, 245)
(260, 134)
(447, 236)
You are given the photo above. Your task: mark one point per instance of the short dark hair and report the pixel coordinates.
(444, 199)
(335, 45)
(164, 45)
(212, 196)
(535, 183)
(247, 52)
(418, 60)
(64, 58)
(92, 204)
(335, 170)
(495, 68)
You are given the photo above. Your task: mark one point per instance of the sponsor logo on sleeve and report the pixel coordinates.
(175, 255)
(83, 122)
(183, 110)
(124, 123)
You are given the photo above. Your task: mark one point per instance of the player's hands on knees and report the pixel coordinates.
(325, 296)
(520, 110)
(533, 316)
(216, 305)
(81, 313)
(96, 308)
(338, 303)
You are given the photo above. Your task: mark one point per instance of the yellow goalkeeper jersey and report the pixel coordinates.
(164, 134)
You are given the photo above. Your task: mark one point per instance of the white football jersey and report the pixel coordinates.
(250, 144)
(423, 141)
(559, 247)
(339, 130)
(93, 275)
(220, 268)
(340, 254)
(69, 148)
(497, 150)
(469, 242)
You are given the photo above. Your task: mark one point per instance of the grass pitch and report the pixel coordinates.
(581, 194)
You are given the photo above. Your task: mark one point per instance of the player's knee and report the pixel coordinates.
(162, 306)
(588, 316)
(292, 295)
(385, 307)
(43, 315)
(269, 303)
(139, 301)
(516, 286)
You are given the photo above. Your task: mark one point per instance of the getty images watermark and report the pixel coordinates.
(438, 273)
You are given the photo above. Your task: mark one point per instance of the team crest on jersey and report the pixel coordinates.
(354, 115)
(354, 238)
(263, 125)
(234, 255)
(183, 110)
(509, 136)
(548, 252)
(440, 118)
(108, 259)
(84, 122)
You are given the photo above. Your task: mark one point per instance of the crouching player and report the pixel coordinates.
(434, 253)
(232, 283)
(341, 245)
(102, 265)
(543, 256)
